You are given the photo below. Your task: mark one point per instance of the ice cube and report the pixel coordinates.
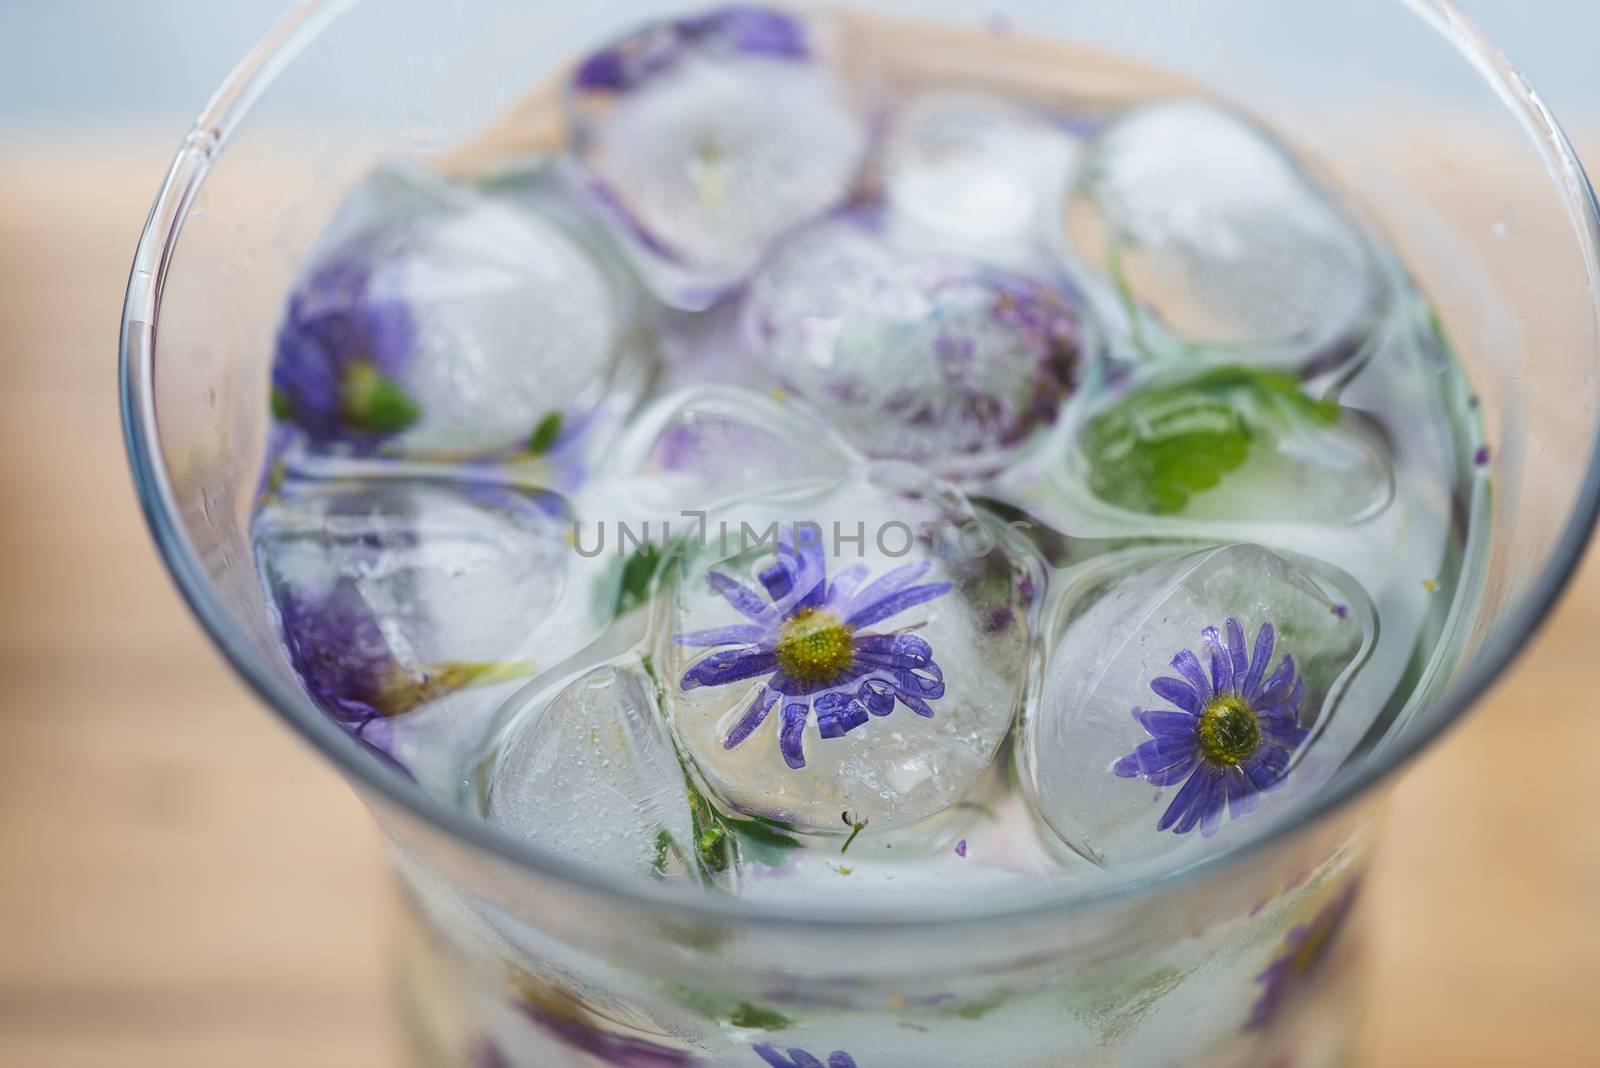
(875, 676)
(914, 355)
(398, 594)
(586, 770)
(705, 138)
(436, 320)
(1233, 443)
(1180, 701)
(978, 172)
(708, 445)
(1221, 240)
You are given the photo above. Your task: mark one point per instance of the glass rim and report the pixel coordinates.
(141, 313)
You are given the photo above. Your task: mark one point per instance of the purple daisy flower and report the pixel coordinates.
(799, 1058)
(1306, 947)
(341, 351)
(1230, 736)
(807, 636)
(736, 29)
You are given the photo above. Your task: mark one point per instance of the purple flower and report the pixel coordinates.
(1305, 948)
(341, 351)
(807, 636)
(914, 355)
(736, 29)
(344, 662)
(799, 1058)
(1230, 736)
(623, 1051)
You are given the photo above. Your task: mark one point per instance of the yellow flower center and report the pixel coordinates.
(815, 646)
(1229, 731)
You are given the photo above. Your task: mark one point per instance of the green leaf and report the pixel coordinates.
(1156, 448)
(713, 851)
(743, 1014)
(760, 842)
(372, 402)
(544, 435)
(723, 841)
(638, 573)
(665, 846)
(760, 1018)
(279, 402)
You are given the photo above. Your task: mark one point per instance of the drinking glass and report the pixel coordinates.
(514, 955)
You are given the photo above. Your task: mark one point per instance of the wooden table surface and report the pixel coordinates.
(185, 883)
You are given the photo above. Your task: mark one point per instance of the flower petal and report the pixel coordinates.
(1243, 797)
(1238, 661)
(790, 735)
(1178, 812)
(878, 696)
(1188, 665)
(1179, 693)
(844, 584)
(1267, 767)
(1216, 800)
(745, 601)
(1174, 773)
(1221, 661)
(808, 568)
(738, 634)
(1160, 722)
(838, 714)
(777, 580)
(753, 717)
(891, 581)
(719, 669)
(1258, 661)
(1276, 690)
(872, 612)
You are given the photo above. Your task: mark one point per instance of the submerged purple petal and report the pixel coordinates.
(1239, 662)
(790, 736)
(891, 581)
(719, 669)
(838, 714)
(844, 584)
(1215, 800)
(874, 612)
(1188, 665)
(1182, 806)
(738, 634)
(1179, 693)
(1276, 690)
(753, 717)
(1161, 722)
(745, 601)
(1258, 661)
(1221, 661)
